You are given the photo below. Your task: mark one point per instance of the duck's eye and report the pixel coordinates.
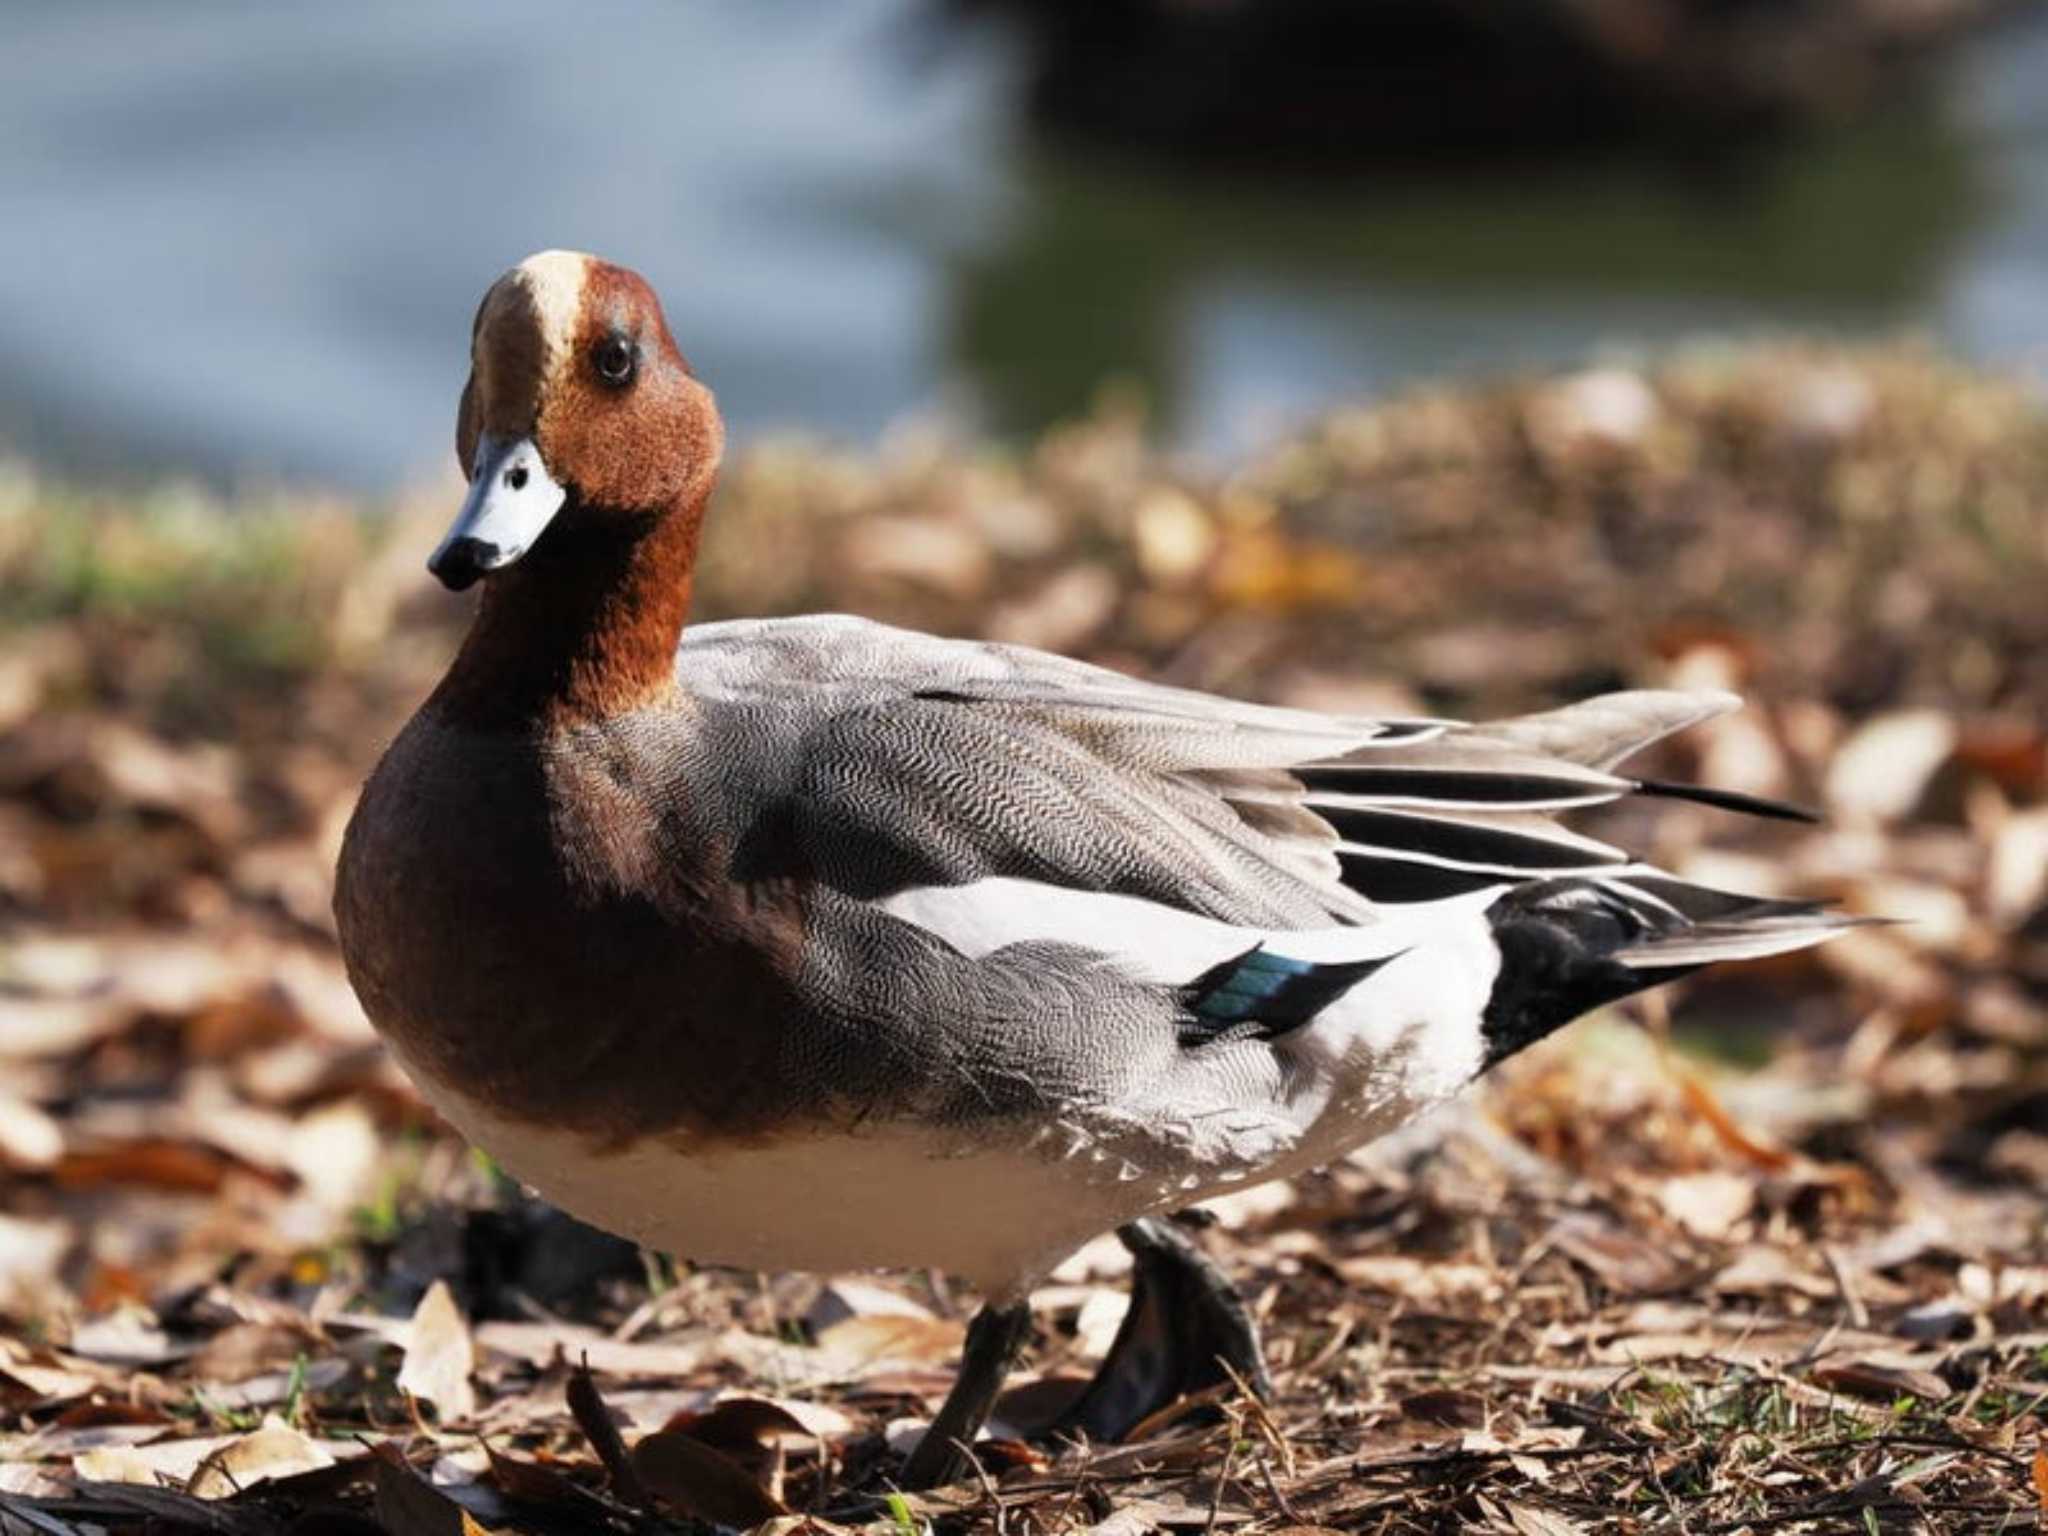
(615, 359)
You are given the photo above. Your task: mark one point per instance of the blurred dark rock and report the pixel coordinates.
(1328, 84)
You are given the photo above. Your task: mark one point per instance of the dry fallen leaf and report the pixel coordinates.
(1446, 1408)
(751, 1432)
(1417, 1280)
(1868, 1378)
(1098, 1320)
(740, 1426)
(1062, 614)
(408, 1505)
(845, 1296)
(1251, 1207)
(1880, 772)
(601, 1430)
(243, 1350)
(1760, 1269)
(1701, 1099)
(1707, 1204)
(530, 1481)
(2018, 877)
(440, 1356)
(272, 1451)
(931, 553)
(1588, 413)
(1531, 1521)
(29, 1138)
(542, 1343)
(41, 1386)
(1622, 1260)
(164, 1461)
(169, 1165)
(128, 1336)
(334, 1151)
(860, 1344)
(30, 1253)
(702, 1481)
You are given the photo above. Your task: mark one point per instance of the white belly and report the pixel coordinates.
(997, 1215)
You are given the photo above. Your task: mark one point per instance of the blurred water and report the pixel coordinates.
(247, 238)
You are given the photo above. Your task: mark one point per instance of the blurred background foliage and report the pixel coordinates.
(245, 240)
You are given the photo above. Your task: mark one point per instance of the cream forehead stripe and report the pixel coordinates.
(555, 280)
(552, 282)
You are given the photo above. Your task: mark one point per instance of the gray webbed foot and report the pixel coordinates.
(1185, 1325)
(1187, 1331)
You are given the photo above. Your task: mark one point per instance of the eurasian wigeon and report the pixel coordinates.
(816, 944)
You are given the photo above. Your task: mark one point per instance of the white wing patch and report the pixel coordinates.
(1149, 940)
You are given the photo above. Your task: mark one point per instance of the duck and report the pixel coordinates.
(819, 944)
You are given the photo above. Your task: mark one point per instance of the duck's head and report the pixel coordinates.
(580, 415)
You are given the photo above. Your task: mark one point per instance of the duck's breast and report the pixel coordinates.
(537, 922)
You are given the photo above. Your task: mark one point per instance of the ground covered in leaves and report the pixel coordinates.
(1770, 1255)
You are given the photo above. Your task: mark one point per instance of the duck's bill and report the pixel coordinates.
(512, 498)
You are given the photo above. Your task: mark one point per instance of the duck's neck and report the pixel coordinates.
(583, 627)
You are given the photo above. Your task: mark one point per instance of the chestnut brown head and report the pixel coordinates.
(579, 408)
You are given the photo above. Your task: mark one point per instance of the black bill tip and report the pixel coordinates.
(460, 562)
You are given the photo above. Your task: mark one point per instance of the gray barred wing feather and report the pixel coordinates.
(919, 761)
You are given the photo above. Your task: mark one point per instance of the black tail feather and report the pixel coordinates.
(1725, 800)
(1569, 946)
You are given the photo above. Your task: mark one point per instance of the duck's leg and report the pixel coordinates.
(994, 1338)
(1186, 1324)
